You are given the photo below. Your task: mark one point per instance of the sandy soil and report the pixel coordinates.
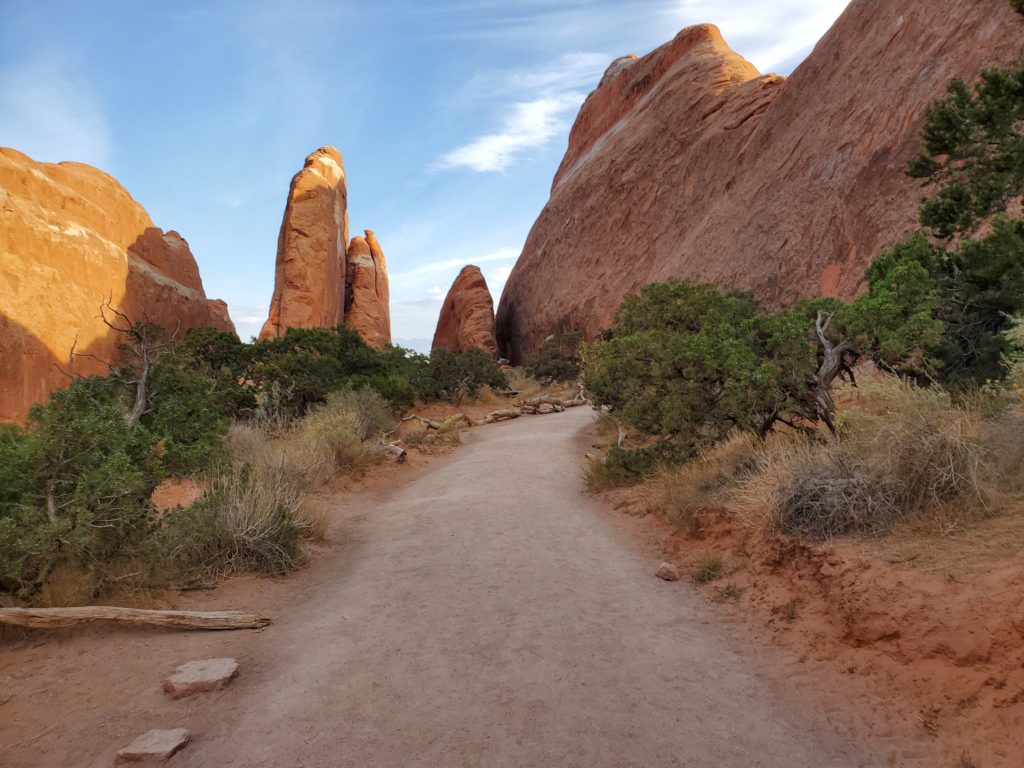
(483, 611)
(920, 637)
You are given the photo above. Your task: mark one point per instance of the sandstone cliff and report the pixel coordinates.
(321, 280)
(687, 163)
(367, 308)
(71, 237)
(467, 315)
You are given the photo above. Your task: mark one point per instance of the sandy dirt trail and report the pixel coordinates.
(485, 613)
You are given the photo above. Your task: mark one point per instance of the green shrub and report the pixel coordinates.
(557, 359)
(458, 377)
(187, 417)
(75, 485)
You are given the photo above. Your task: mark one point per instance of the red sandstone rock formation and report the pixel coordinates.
(367, 308)
(688, 164)
(467, 315)
(321, 280)
(309, 281)
(71, 238)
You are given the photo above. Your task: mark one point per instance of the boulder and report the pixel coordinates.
(668, 572)
(154, 747)
(467, 315)
(200, 677)
(309, 280)
(72, 238)
(367, 303)
(688, 163)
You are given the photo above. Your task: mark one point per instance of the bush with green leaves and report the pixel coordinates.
(687, 364)
(75, 485)
(557, 359)
(455, 377)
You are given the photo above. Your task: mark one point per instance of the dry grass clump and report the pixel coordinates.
(905, 456)
(257, 510)
(708, 480)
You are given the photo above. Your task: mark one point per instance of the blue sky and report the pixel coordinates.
(452, 115)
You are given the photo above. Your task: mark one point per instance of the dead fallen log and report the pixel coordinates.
(59, 618)
(451, 422)
(395, 450)
(502, 414)
(429, 423)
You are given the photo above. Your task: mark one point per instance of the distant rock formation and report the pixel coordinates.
(687, 163)
(467, 315)
(367, 308)
(322, 280)
(72, 238)
(309, 280)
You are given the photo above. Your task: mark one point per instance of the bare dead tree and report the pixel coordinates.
(144, 342)
(837, 363)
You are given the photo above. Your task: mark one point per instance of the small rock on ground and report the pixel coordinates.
(200, 677)
(668, 572)
(154, 747)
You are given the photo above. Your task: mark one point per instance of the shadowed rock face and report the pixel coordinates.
(309, 280)
(687, 163)
(72, 238)
(367, 308)
(467, 315)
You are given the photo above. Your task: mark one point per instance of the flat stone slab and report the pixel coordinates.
(154, 747)
(200, 677)
(668, 572)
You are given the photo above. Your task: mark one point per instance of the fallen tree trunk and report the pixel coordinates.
(395, 450)
(58, 618)
(502, 414)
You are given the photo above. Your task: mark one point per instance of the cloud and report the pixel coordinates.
(50, 113)
(502, 254)
(437, 292)
(771, 36)
(530, 124)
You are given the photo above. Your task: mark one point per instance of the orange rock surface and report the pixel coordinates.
(309, 281)
(467, 315)
(687, 163)
(323, 281)
(71, 238)
(367, 307)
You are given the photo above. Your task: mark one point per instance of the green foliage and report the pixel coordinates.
(74, 486)
(188, 415)
(973, 146)
(687, 365)
(1018, 5)
(456, 377)
(558, 358)
(310, 362)
(896, 321)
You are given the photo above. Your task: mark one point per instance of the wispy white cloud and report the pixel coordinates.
(770, 35)
(502, 254)
(530, 124)
(48, 111)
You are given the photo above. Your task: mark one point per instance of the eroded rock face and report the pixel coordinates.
(467, 315)
(687, 163)
(71, 238)
(309, 280)
(367, 302)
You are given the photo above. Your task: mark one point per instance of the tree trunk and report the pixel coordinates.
(57, 618)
